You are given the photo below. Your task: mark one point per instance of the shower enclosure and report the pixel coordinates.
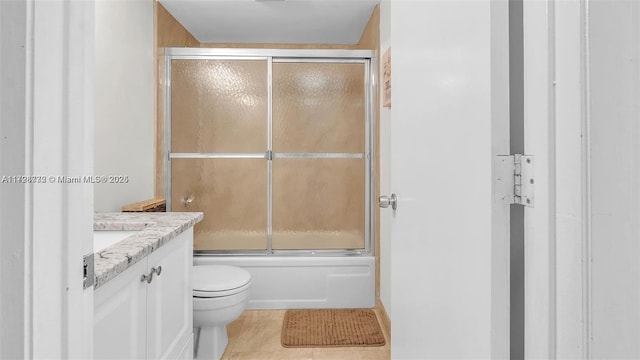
(274, 146)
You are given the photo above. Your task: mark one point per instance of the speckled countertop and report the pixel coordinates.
(156, 229)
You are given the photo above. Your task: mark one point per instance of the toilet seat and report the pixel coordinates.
(210, 281)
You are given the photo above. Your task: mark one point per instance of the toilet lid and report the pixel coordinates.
(219, 280)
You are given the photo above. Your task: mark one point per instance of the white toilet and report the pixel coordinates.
(220, 295)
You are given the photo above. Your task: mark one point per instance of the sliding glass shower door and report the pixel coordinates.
(218, 138)
(274, 150)
(319, 146)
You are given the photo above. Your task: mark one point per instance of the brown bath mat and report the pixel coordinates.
(330, 328)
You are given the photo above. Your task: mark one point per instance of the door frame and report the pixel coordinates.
(557, 229)
(51, 52)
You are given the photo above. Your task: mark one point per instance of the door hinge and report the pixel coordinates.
(514, 179)
(87, 271)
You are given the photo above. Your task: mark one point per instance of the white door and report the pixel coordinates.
(449, 240)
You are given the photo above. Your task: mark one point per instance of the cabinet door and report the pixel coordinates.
(169, 298)
(120, 319)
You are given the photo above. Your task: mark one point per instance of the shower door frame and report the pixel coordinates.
(365, 57)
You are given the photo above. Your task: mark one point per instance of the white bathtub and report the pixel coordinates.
(305, 282)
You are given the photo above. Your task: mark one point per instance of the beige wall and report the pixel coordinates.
(168, 33)
(370, 40)
(384, 149)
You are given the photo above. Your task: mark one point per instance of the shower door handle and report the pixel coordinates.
(385, 201)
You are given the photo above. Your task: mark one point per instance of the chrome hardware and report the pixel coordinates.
(147, 278)
(514, 179)
(187, 199)
(385, 201)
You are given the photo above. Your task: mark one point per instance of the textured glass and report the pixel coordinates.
(318, 203)
(218, 106)
(232, 193)
(318, 107)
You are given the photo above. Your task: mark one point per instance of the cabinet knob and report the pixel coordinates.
(147, 278)
(157, 270)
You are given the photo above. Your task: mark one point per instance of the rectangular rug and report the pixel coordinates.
(331, 328)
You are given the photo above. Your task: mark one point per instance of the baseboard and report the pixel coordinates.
(384, 318)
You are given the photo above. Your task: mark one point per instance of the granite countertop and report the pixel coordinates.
(156, 229)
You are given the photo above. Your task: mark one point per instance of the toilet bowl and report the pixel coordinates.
(220, 295)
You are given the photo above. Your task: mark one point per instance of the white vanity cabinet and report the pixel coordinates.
(142, 319)
(170, 299)
(120, 316)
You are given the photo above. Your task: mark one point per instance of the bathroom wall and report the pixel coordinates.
(370, 39)
(124, 125)
(614, 93)
(168, 33)
(384, 152)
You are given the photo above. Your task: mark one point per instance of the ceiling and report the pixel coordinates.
(264, 21)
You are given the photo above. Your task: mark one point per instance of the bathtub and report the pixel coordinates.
(304, 282)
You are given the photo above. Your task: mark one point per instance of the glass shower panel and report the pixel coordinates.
(319, 107)
(232, 195)
(219, 106)
(318, 204)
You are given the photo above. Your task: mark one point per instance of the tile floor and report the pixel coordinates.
(256, 336)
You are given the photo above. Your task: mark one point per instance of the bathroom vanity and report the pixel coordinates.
(143, 295)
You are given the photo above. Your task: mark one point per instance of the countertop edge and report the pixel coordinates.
(156, 229)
